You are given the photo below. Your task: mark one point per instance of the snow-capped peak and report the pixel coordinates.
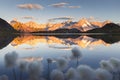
(83, 25)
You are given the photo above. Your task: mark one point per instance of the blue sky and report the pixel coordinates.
(47, 9)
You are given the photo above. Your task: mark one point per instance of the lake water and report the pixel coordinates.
(94, 48)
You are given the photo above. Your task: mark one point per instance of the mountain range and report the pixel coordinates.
(27, 27)
(59, 42)
(82, 25)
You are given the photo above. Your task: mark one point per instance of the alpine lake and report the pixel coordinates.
(48, 49)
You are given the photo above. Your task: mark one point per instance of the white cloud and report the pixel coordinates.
(64, 4)
(73, 7)
(30, 6)
(58, 5)
(91, 18)
(28, 17)
(62, 18)
(25, 18)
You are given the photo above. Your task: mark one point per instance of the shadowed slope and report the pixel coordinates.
(5, 40)
(6, 27)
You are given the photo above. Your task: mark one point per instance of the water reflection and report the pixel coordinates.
(58, 42)
(66, 42)
(5, 40)
(58, 55)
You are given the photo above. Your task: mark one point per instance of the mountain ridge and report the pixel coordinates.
(83, 25)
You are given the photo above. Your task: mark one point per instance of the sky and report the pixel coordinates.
(45, 10)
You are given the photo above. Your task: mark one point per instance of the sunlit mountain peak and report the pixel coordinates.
(32, 24)
(83, 25)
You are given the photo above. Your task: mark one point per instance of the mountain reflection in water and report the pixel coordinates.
(59, 42)
(66, 42)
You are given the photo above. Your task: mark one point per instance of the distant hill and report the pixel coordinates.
(65, 30)
(108, 28)
(5, 26)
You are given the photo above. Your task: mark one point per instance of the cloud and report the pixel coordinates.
(28, 17)
(61, 18)
(73, 7)
(25, 18)
(64, 4)
(59, 5)
(91, 18)
(30, 6)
